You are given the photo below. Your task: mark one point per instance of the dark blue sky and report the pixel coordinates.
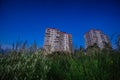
(28, 19)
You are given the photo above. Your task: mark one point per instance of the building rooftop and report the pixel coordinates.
(92, 30)
(59, 30)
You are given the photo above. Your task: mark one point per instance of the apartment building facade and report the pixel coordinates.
(56, 40)
(96, 36)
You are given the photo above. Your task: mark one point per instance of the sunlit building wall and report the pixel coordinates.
(56, 40)
(96, 36)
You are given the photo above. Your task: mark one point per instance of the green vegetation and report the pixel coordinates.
(97, 65)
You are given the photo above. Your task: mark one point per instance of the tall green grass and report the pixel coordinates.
(100, 65)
